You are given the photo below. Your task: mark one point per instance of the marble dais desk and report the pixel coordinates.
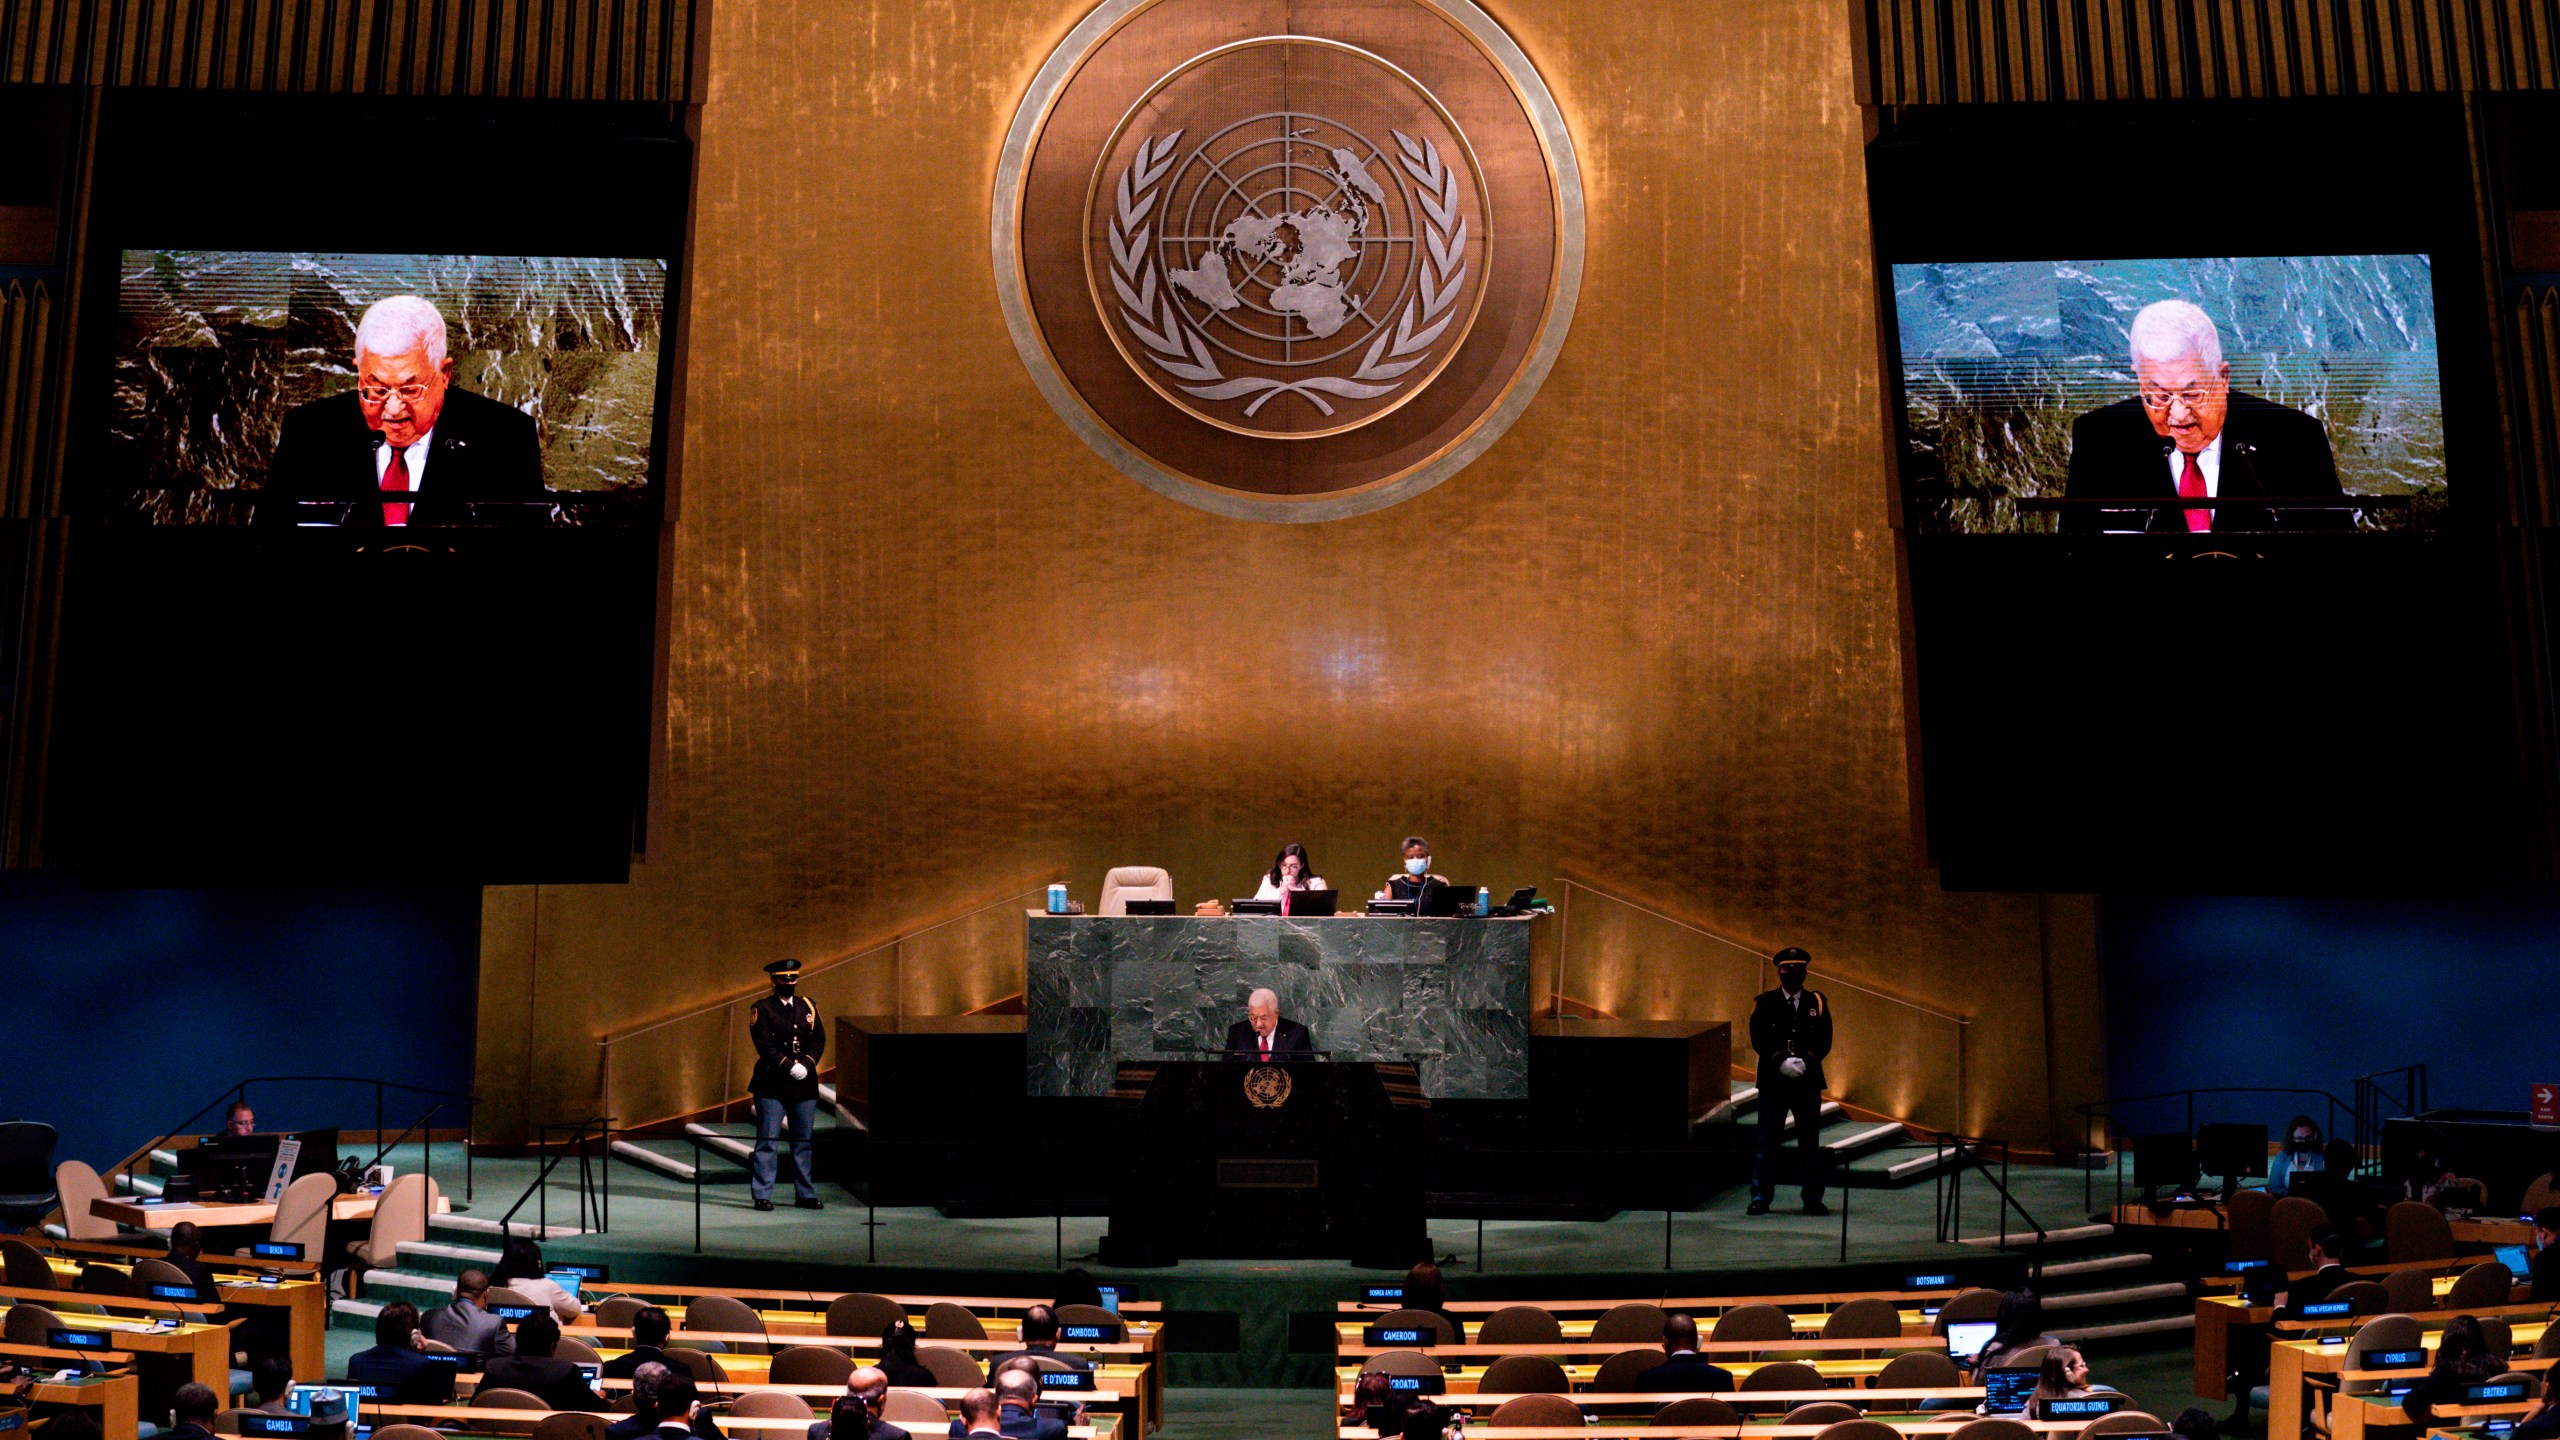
(1450, 996)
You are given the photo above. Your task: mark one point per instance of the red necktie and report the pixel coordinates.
(395, 477)
(1266, 1047)
(2191, 487)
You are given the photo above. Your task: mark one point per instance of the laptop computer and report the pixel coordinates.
(1443, 899)
(2518, 1263)
(1966, 1338)
(2006, 1388)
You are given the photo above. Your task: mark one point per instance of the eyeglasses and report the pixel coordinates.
(409, 394)
(2160, 401)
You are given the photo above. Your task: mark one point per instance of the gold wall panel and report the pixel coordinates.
(924, 644)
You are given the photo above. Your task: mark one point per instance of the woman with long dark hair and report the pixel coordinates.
(1291, 870)
(2065, 1376)
(2021, 1320)
(520, 1269)
(898, 1358)
(2463, 1359)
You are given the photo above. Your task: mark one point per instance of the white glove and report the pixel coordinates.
(801, 1072)
(1792, 1067)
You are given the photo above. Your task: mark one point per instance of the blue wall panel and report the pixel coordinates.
(131, 1007)
(2313, 992)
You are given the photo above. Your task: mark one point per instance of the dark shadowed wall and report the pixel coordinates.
(925, 648)
(133, 1007)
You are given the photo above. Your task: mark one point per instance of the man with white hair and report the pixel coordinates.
(2186, 434)
(1262, 1035)
(404, 430)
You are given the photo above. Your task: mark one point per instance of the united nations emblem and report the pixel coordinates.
(1267, 1086)
(1260, 270)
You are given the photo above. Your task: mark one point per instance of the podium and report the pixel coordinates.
(1300, 1160)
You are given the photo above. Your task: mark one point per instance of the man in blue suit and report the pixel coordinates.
(1018, 1415)
(409, 1375)
(1684, 1370)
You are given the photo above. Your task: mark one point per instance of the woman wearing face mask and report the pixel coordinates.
(1290, 870)
(1417, 871)
(2299, 1156)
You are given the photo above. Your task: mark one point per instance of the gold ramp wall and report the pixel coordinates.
(924, 644)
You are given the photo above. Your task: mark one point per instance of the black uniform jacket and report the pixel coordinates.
(1779, 1030)
(784, 1031)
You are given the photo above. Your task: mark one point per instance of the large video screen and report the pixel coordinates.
(373, 392)
(2159, 397)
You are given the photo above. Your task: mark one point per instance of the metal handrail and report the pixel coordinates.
(542, 1178)
(1967, 1150)
(2364, 1114)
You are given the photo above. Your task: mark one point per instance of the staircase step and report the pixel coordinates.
(736, 1149)
(479, 1225)
(2093, 1265)
(362, 1312)
(1859, 1137)
(2161, 1325)
(167, 1158)
(1898, 1164)
(2063, 1235)
(2125, 1295)
(137, 1184)
(651, 1159)
(441, 1258)
(377, 1281)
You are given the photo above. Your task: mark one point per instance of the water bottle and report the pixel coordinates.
(1484, 901)
(1057, 899)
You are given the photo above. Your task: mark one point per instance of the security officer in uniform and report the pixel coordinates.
(1791, 1030)
(788, 1043)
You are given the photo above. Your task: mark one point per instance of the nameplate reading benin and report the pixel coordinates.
(1282, 265)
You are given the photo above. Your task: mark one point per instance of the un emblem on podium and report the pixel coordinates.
(1267, 1087)
(1286, 275)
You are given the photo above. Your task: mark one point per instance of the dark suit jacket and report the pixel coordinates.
(2546, 1275)
(1692, 1371)
(1077, 1362)
(1287, 1037)
(632, 1427)
(624, 1365)
(481, 450)
(2313, 1288)
(199, 1272)
(409, 1376)
(2268, 450)
(1779, 1030)
(1020, 1424)
(556, 1381)
(468, 1328)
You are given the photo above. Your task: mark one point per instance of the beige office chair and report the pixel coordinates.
(1414, 1362)
(79, 1185)
(1821, 1412)
(863, 1315)
(504, 1398)
(946, 1321)
(570, 1425)
(1538, 1410)
(771, 1405)
(2251, 1216)
(1524, 1375)
(399, 1218)
(1635, 1322)
(2413, 1230)
(811, 1365)
(616, 1312)
(1698, 1410)
(2410, 1292)
(24, 1267)
(1519, 1325)
(1867, 1319)
(1617, 1374)
(575, 1351)
(1417, 1319)
(2290, 1226)
(302, 1214)
(2483, 1286)
(955, 1369)
(1125, 883)
(915, 1413)
(509, 1295)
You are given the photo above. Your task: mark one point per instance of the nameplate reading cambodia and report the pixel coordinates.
(1288, 261)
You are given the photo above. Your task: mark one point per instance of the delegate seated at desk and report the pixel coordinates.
(1291, 871)
(2328, 1272)
(1683, 1369)
(2546, 1255)
(406, 1373)
(536, 1368)
(1018, 1414)
(1417, 872)
(1263, 1035)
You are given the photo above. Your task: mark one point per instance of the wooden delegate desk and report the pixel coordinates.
(1648, 1400)
(206, 1348)
(1469, 1378)
(1615, 1430)
(2353, 1417)
(305, 1304)
(1915, 1326)
(1824, 1350)
(116, 1398)
(2219, 1318)
(2291, 1362)
(2484, 1234)
(459, 1416)
(1126, 1374)
(219, 1215)
(1824, 1301)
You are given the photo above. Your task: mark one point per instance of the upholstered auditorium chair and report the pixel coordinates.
(1753, 1322)
(1918, 1370)
(1700, 1410)
(569, 1425)
(1524, 1375)
(302, 1215)
(917, 1414)
(27, 1323)
(946, 1321)
(616, 1312)
(575, 1351)
(1994, 1429)
(1418, 1319)
(1867, 1319)
(1973, 1305)
(2252, 1220)
(2409, 1291)
(2123, 1422)
(2363, 1297)
(1074, 1314)
(1617, 1374)
(23, 1266)
(697, 1363)
(1859, 1429)
(1635, 1320)
(504, 1398)
(2482, 1287)
(407, 1432)
(1821, 1412)
(78, 1185)
(1552, 1410)
(862, 1314)
(399, 1218)
(1519, 1325)
(811, 1365)
(722, 1314)
(2290, 1227)
(2414, 1230)
(771, 1405)
(1414, 1362)
(1125, 883)
(956, 1369)
(2539, 1194)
